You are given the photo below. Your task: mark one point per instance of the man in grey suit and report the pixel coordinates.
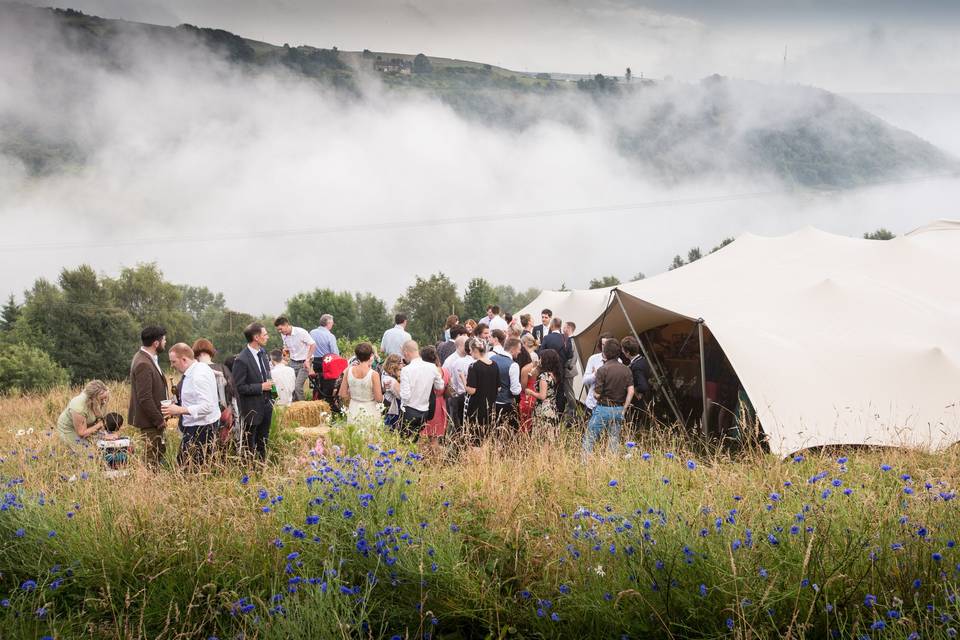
(251, 376)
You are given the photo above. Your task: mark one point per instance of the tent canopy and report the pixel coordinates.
(836, 340)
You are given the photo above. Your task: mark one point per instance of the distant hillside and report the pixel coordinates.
(672, 131)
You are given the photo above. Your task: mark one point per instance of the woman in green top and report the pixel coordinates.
(83, 416)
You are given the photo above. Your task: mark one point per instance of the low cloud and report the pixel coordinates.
(266, 167)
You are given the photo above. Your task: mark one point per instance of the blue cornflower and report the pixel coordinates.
(772, 539)
(878, 625)
(794, 530)
(691, 465)
(774, 497)
(555, 616)
(917, 583)
(936, 557)
(869, 601)
(885, 467)
(613, 483)
(730, 623)
(645, 456)
(28, 585)
(893, 614)
(313, 520)
(51, 534)
(703, 591)
(525, 594)
(19, 533)
(454, 528)
(631, 444)
(763, 572)
(347, 513)
(842, 460)
(668, 456)
(564, 588)
(798, 458)
(245, 479)
(293, 555)
(908, 491)
(262, 494)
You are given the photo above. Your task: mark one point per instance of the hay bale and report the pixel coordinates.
(308, 413)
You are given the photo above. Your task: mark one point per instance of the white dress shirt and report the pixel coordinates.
(393, 339)
(513, 371)
(286, 380)
(198, 395)
(498, 323)
(455, 365)
(298, 343)
(590, 378)
(417, 381)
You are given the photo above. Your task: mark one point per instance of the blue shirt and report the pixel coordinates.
(326, 342)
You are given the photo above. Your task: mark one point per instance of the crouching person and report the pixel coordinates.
(614, 391)
(116, 450)
(199, 408)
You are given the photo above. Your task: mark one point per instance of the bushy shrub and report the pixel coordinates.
(26, 368)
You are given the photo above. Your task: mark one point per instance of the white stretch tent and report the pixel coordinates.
(836, 340)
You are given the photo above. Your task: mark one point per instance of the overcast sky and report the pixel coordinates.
(842, 45)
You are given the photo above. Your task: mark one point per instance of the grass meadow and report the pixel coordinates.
(520, 539)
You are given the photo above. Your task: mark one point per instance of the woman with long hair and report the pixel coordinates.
(471, 326)
(548, 382)
(363, 388)
(452, 321)
(391, 389)
(436, 427)
(84, 414)
(529, 362)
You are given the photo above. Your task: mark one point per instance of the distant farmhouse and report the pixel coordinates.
(393, 66)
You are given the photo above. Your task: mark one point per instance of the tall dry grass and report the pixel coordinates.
(519, 537)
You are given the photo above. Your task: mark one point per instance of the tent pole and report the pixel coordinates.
(653, 369)
(603, 319)
(703, 377)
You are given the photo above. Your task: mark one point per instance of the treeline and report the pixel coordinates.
(86, 325)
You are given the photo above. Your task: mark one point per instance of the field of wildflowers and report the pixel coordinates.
(379, 540)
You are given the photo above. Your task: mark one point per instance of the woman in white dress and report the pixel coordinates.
(363, 389)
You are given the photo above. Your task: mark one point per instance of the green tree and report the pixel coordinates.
(421, 64)
(143, 292)
(694, 254)
(638, 276)
(224, 328)
(677, 263)
(476, 298)
(605, 281)
(374, 317)
(197, 300)
(9, 314)
(305, 309)
(880, 234)
(25, 368)
(427, 304)
(523, 298)
(79, 327)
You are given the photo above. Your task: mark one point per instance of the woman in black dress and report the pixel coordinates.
(483, 381)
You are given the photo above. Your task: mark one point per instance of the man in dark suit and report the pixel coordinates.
(542, 330)
(251, 376)
(641, 378)
(148, 388)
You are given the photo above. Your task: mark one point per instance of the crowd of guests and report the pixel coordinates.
(495, 372)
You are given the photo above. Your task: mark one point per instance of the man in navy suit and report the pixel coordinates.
(541, 330)
(251, 375)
